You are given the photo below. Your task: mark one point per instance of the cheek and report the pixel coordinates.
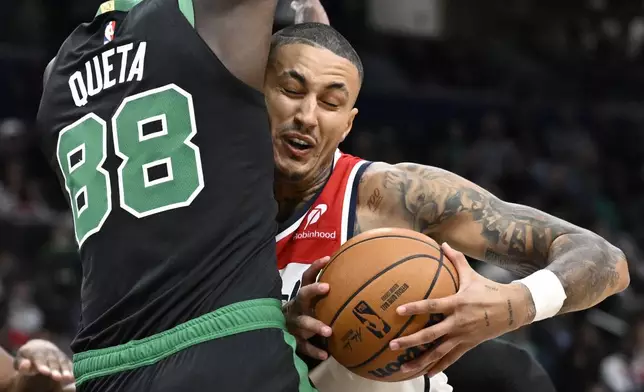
(334, 126)
(279, 108)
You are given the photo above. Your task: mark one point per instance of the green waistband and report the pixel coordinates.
(229, 320)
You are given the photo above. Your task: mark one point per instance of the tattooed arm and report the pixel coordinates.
(515, 237)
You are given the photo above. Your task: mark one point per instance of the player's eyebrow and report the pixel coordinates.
(297, 76)
(331, 86)
(338, 86)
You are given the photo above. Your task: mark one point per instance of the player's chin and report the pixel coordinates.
(291, 169)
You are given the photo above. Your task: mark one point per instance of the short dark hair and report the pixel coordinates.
(319, 35)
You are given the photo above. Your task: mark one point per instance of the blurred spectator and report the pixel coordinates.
(623, 371)
(577, 369)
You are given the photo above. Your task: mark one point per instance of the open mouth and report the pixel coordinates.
(298, 144)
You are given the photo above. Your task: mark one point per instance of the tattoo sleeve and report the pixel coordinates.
(515, 237)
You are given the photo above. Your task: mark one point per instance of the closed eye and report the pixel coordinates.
(291, 92)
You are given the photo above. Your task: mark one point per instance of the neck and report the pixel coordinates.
(291, 194)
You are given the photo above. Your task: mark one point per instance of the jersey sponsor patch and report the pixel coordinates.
(315, 215)
(110, 30)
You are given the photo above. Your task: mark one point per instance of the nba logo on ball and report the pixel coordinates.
(110, 28)
(371, 320)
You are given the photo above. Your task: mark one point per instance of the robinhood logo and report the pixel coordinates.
(313, 218)
(315, 214)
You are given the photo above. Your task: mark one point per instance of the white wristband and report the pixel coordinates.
(547, 293)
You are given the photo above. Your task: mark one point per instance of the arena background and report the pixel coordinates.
(540, 101)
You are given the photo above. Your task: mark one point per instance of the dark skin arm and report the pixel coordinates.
(518, 238)
(309, 11)
(239, 34)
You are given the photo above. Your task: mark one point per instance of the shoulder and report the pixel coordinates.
(48, 70)
(377, 172)
(404, 175)
(394, 191)
(373, 177)
(376, 204)
(412, 195)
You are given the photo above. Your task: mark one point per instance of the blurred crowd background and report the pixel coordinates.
(537, 100)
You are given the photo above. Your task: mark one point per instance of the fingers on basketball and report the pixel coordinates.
(311, 274)
(445, 362)
(309, 294)
(370, 276)
(459, 261)
(445, 305)
(427, 335)
(313, 326)
(431, 358)
(308, 349)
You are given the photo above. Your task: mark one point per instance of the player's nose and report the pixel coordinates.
(307, 113)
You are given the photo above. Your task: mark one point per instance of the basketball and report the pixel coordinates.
(369, 277)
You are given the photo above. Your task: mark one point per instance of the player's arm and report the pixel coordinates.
(515, 237)
(239, 34)
(307, 11)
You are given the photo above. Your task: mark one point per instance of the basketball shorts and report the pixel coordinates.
(243, 347)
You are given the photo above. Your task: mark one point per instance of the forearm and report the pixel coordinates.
(524, 240)
(515, 237)
(589, 268)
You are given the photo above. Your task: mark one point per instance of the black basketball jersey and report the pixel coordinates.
(167, 161)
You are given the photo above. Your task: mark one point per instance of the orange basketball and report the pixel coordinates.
(369, 277)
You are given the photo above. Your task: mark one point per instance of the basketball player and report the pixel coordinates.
(513, 370)
(326, 197)
(153, 117)
(38, 366)
(472, 372)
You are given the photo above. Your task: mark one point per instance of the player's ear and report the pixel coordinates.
(352, 115)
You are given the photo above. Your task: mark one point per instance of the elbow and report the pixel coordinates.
(621, 270)
(618, 268)
(615, 265)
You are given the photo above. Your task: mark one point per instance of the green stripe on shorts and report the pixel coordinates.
(230, 320)
(300, 366)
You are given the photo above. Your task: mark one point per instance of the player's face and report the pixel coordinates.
(310, 93)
